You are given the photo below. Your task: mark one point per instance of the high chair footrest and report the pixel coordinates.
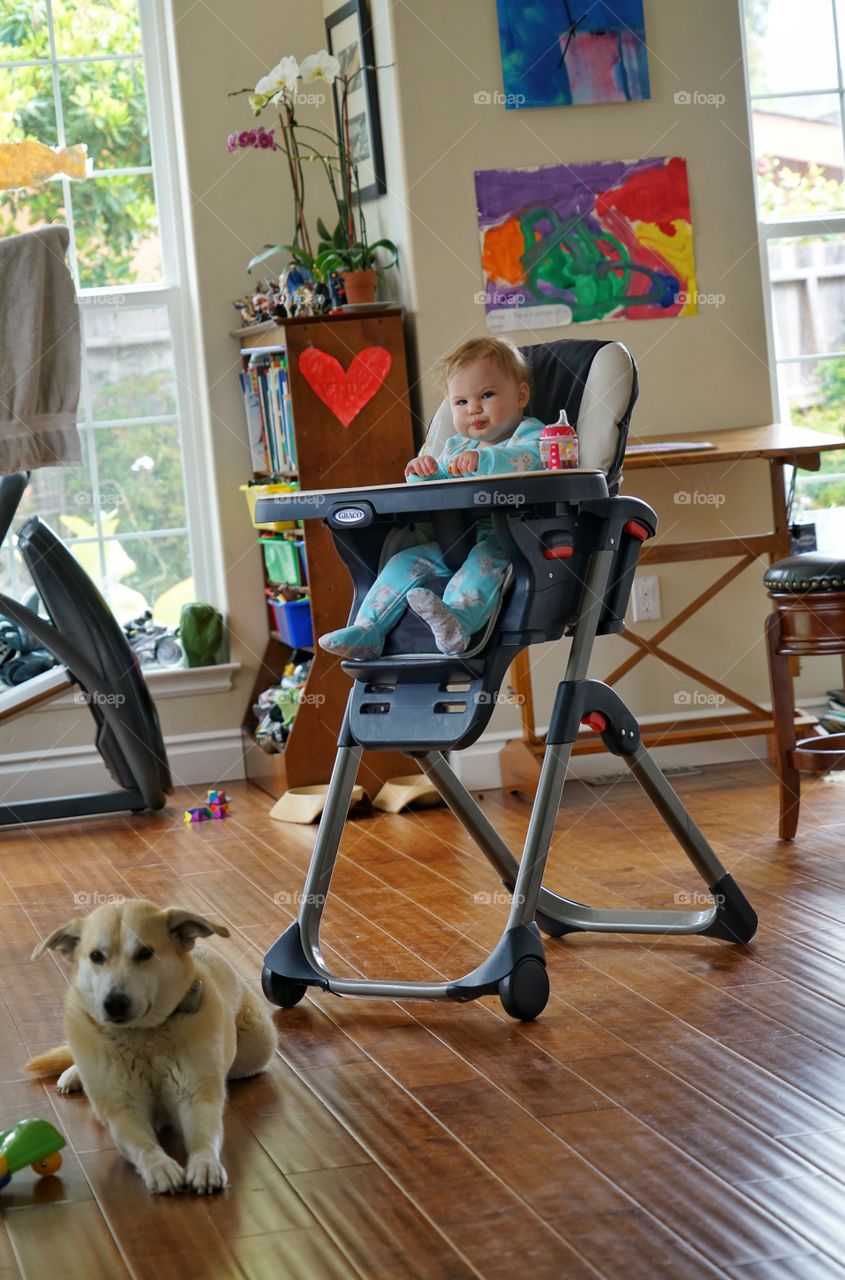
(514, 945)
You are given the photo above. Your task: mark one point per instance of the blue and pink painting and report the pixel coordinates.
(562, 53)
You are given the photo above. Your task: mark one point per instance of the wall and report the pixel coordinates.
(698, 373)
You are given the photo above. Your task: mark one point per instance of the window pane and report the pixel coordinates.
(815, 394)
(142, 571)
(139, 473)
(105, 106)
(808, 294)
(96, 26)
(130, 362)
(116, 225)
(24, 211)
(799, 155)
(791, 47)
(23, 30)
(26, 105)
(62, 497)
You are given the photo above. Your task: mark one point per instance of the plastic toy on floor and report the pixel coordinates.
(30, 1142)
(216, 806)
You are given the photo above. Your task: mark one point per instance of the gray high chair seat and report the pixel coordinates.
(573, 543)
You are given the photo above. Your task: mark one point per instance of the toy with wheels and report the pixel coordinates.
(33, 1142)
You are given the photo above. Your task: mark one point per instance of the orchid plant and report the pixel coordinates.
(346, 248)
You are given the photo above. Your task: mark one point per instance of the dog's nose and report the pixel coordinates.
(116, 1005)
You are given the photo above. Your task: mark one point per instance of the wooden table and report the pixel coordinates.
(782, 446)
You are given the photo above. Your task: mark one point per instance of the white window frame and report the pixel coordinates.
(176, 294)
(784, 228)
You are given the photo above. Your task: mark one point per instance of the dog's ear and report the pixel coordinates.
(185, 926)
(65, 939)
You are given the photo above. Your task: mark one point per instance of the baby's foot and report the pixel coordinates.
(449, 635)
(353, 642)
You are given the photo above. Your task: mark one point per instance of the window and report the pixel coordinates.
(795, 56)
(90, 71)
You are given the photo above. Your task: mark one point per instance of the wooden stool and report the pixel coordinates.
(808, 593)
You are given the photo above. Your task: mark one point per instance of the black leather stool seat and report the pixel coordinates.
(806, 573)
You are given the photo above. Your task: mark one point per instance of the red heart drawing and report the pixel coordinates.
(345, 392)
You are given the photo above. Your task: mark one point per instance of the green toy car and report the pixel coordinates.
(33, 1142)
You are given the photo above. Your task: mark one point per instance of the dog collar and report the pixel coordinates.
(190, 1002)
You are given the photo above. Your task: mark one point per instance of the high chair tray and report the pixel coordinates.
(486, 494)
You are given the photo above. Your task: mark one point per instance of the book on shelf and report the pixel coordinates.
(267, 405)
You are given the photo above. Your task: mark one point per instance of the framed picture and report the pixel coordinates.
(350, 39)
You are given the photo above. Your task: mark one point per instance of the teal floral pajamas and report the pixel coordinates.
(472, 592)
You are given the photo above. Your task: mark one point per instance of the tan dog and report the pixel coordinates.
(154, 1029)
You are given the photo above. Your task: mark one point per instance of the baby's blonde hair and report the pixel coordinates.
(507, 358)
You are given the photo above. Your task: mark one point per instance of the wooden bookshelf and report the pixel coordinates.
(373, 449)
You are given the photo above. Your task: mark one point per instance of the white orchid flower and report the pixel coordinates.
(320, 66)
(281, 80)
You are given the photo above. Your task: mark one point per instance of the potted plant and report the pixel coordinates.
(346, 250)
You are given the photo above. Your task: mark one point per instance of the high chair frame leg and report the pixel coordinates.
(515, 969)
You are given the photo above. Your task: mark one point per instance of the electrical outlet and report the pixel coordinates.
(646, 599)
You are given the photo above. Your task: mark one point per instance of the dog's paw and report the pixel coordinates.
(205, 1174)
(163, 1175)
(69, 1081)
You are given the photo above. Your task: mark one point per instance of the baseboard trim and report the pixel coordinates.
(479, 770)
(211, 756)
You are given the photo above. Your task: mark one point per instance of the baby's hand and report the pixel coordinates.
(422, 466)
(463, 464)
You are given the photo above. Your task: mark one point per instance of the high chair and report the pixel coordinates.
(573, 542)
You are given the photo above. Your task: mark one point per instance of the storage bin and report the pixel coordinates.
(253, 492)
(281, 561)
(293, 622)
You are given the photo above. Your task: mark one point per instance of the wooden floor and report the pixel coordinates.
(678, 1111)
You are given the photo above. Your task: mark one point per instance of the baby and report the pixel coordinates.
(487, 383)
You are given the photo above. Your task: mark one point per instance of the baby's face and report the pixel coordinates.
(486, 403)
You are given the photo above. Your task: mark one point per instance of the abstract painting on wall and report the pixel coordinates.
(577, 243)
(561, 53)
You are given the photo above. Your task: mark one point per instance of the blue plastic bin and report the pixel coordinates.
(293, 622)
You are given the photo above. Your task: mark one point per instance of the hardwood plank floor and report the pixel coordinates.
(678, 1111)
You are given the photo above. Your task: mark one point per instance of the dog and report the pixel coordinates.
(155, 1028)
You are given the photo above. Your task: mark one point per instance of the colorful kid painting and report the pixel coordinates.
(577, 243)
(561, 53)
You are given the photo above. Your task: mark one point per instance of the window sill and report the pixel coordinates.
(170, 682)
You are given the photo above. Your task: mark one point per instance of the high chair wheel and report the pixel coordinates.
(525, 991)
(285, 992)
